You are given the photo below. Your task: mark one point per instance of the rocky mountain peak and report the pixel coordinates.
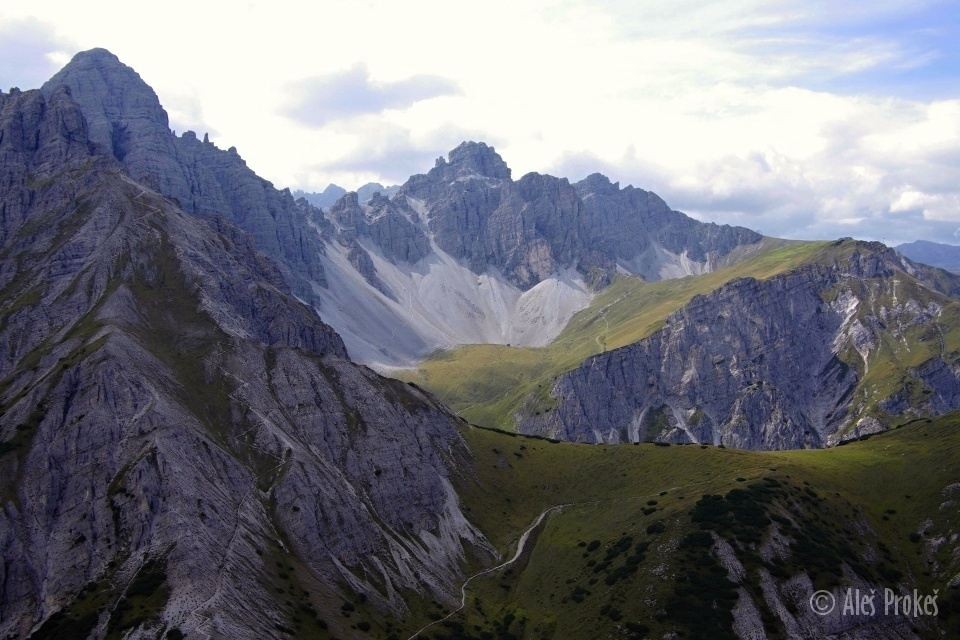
(378, 200)
(473, 158)
(114, 286)
(347, 213)
(597, 183)
(97, 61)
(114, 98)
(348, 201)
(99, 57)
(125, 119)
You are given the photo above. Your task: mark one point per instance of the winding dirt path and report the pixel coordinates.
(521, 545)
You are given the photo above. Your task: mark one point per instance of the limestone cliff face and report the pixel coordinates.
(633, 228)
(465, 254)
(755, 364)
(125, 119)
(538, 225)
(38, 136)
(182, 443)
(389, 225)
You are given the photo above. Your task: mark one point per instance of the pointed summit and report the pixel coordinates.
(475, 158)
(114, 98)
(99, 57)
(125, 119)
(597, 183)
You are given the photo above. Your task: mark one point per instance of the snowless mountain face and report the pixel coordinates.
(185, 448)
(412, 309)
(775, 364)
(395, 295)
(462, 254)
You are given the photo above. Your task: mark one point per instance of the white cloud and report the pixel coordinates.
(345, 94)
(720, 107)
(940, 207)
(30, 52)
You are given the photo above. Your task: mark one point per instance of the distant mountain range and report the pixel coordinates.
(326, 198)
(945, 256)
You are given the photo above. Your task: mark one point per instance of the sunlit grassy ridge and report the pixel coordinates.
(488, 383)
(874, 494)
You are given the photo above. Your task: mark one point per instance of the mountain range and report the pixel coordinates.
(329, 196)
(198, 437)
(464, 254)
(945, 256)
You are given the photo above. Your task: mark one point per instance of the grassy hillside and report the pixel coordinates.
(488, 383)
(625, 558)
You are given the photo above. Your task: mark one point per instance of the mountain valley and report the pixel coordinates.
(465, 407)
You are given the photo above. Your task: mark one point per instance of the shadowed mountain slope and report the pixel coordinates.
(183, 444)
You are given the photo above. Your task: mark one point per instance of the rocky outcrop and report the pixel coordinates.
(40, 135)
(527, 229)
(184, 445)
(795, 565)
(386, 224)
(392, 227)
(932, 388)
(755, 364)
(361, 261)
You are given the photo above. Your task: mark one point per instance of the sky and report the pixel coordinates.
(799, 119)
